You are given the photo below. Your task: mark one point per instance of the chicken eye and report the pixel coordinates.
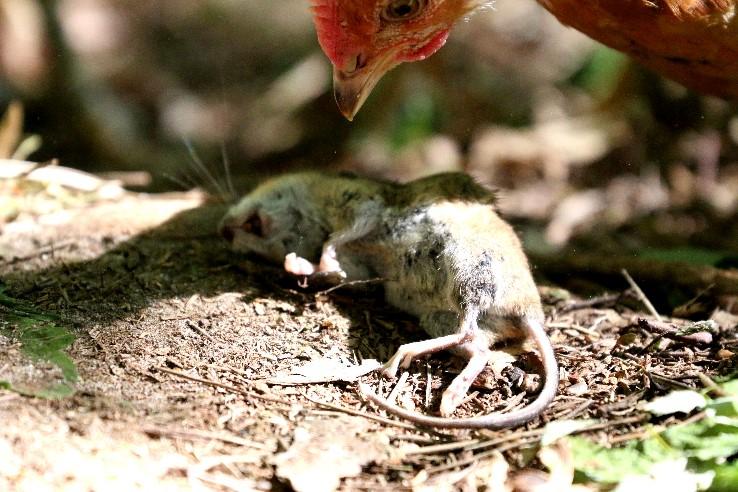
(253, 225)
(402, 10)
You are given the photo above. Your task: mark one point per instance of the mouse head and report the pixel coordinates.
(275, 219)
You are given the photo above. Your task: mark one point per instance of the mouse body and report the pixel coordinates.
(442, 251)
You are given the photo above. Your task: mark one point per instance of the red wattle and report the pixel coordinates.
(435, 44)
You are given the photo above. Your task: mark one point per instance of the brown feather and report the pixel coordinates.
(694, 42)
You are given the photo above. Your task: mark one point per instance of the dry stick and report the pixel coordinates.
(200, 331)
(480, 456)
(227, 368)
(193, 435)
(575, 327)
(472, 444)
(399, 386)
(587, 303)
(613, 423)
(351, 283)
(51, 248)
(427, 385)
(357, 413)
(514, 438)
(673, 382)
(224, 386)
(442, 448)
(469, 397)
(708, 383)
(569, 414)
(503, 439)
(640, 434)
(640, 294)
(668, 330)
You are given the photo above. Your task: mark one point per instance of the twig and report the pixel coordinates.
(427, 385)
(51, 248)
(228, 387)
(357, 413)
(574, 326)
(226, 368)
(640, 294)
(587, 303)
(640, 434)
(708, 383)
(479, 456)
(351, 283)
(193, 435)
(199, 330)
(614, 423)
(670, 381)
(8, 397)
(400, 385)
(570, 414)
(442, 448)
(668, 330)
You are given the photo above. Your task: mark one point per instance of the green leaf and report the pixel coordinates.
(608, 465)
(695, 455)
(730, 387)
(710, 438)
(691, 255)
(726, 477)
(40, 339)
(601, 73)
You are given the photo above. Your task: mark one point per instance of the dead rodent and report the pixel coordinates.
(445, 254)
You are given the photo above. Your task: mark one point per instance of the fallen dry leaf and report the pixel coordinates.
(324, 451)
(490, 474)
(326, 370)
(558, 460)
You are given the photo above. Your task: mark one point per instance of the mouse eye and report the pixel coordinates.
(253, 225)
(403, 10)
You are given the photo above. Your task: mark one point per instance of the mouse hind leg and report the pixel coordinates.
(449, 332)
(477, 355)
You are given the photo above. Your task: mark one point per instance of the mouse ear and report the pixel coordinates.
(256, 224)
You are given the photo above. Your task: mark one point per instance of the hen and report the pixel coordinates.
(694, 42)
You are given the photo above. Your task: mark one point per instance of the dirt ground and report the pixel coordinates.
(183, 351)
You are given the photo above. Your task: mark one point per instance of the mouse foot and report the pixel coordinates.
(400, 359)
(297, 265)
(329, 262)
(459, 387)
(406, 353)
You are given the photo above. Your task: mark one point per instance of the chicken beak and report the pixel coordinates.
(351, 88)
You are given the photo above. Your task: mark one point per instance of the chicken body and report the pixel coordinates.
(694, 42)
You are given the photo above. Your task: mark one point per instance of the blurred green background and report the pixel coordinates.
(582, 142)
